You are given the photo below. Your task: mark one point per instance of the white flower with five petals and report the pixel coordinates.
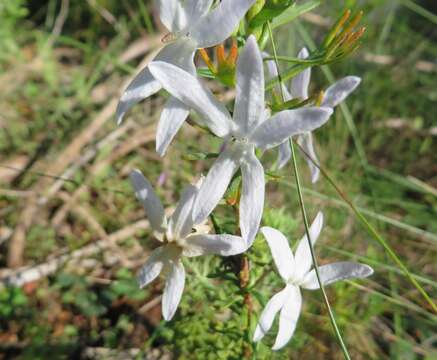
(179, 236)
(296, 273)
(246, 130)
(192, 25)
(333, 96)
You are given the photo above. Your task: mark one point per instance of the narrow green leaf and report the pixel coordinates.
(293, 12)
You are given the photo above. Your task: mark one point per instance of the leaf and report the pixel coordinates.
(293, 12)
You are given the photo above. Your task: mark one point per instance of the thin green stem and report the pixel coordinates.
(316, 267)
(374, 234)
(305, 220)
(294, 60)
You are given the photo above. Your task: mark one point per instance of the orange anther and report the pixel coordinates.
(220, 53)
(207, 60)
(233, 53)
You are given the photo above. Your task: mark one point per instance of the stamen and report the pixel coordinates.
(319, 98)
(233, 53)
(169, 37)
(220, 53)
(203, 53)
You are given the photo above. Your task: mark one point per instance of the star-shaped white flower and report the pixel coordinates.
(296, 273)
(333, 96)
(192, 25)
(246, 130)
(180, 236)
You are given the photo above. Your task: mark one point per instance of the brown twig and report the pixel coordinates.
(25, 275)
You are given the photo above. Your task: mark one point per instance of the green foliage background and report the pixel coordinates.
(52, 87)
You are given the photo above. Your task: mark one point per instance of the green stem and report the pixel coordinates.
(316, 267)
(305, 220)
(371, 230)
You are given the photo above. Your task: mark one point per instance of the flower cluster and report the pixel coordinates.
(251, 129)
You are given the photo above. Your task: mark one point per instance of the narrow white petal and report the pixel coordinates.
(288, 317)
(172, 14)
(141, 87)
(215, 27)
(339, 91)
(335, 272)
(273, 72)
(284, 154)
(252, 197)
(305, 140)
(192, 93)
(180, 53)
(174, 287)
(215, 184)
(195, 9)
(181, 221)
(268, 314)
(281, 126)
(150, 201)
(152, 268)
(224, 245)
(249, 101)
(301, 82)
(303, 251)
(281, 252)
(173, 116)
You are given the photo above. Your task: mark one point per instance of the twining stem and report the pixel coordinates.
(373, 232)
(305, 220)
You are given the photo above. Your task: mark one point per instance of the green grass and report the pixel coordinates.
(53, 89)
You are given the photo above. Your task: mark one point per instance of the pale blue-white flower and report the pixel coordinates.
(192, 25)
(179, 236)
(333, 96)
(247, 129)
(296, 273)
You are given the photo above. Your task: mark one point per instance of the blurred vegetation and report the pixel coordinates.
(62, 63)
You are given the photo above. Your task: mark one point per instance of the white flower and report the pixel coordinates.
(192, 26)
(248, 129)
(180, 236)
(296, 273)
(334, 95)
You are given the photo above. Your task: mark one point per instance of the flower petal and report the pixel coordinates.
(142, 86)
(174, 287)
(305, 140)
(224, 245)
(265, 321)
(172, 14)
(303, 251)
(192, 93)
(173, 116)
(284, 154)
(273, 72)
(152, 268)
(288, 317)
(249, 101)
(195, 9)
(215, 184)
(335, 272)
(281, 252)
(252, 197)
(150, 201)
(181, 221)
(339, 91)
(179, 53)
(287, 123)
(215, 27)
(301, 82)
